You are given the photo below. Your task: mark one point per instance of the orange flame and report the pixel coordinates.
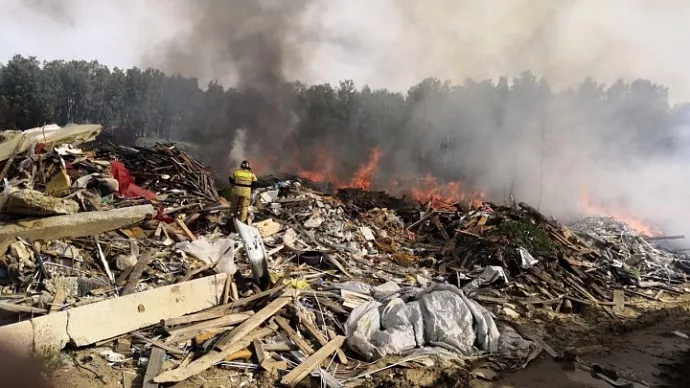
(365, 173)
(324, 170)
(440, 194)
(262, 166)
(589, 207)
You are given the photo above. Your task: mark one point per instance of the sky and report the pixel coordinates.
(389, 43)
(386, 43)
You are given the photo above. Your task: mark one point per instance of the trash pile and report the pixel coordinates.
(129, 251)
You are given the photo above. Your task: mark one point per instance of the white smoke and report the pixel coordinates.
(238, 152)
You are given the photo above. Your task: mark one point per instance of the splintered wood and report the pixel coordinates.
(312, 362)
(239, 338)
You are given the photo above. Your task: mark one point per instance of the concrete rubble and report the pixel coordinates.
(131, 249)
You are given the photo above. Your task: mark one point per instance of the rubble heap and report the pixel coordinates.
(130, 250)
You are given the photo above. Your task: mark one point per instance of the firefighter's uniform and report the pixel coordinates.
(242, 181)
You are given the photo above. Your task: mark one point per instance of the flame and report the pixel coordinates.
(262, 166)
(365, 173)
(442, 194)
(325, 170)
(589, 207)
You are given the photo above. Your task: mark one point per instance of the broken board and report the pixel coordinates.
(95, 322)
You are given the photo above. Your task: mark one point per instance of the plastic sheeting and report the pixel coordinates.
(440, 316)
(220, 252)
(492, 274)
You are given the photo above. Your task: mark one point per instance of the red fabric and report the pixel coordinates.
(40, 148)
(136, 191)
(126, 181)
(163, 217)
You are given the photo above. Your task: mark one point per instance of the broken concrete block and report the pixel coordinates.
(76, 225)
(19, 251)
(34, 203)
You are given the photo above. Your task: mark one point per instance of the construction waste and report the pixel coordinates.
(132, 251)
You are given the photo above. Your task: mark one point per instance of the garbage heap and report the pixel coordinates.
(127, 252)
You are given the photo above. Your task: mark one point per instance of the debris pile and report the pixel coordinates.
(129, 251)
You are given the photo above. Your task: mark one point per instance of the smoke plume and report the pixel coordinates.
(237, 152)
(546, 137)
(529, 144)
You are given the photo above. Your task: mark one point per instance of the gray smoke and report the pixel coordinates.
(544, 150)
(250, 45)
(238, 151)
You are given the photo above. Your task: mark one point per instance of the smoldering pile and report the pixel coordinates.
(128, 249)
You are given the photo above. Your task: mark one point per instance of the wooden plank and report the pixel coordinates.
(279, 347)
(95, 322)
(154, 367)
(226, 290)
(440, 228)
(301, 343)
(208, 360)
(257, 319)
(158, 344)
(618, 301)
(192, 318)
(227, 320)
(315, 333)
(136, 273)
(245, 301)
(233, 289)
(312, 362)
(17, 308)
(89, 324)
(261, 354)
(75, 225)
(185, 229)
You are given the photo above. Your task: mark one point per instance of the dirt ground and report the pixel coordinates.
(642, 348)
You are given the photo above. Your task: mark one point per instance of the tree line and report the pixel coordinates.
(435, 126)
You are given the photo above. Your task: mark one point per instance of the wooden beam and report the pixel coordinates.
(95, 322)
(312, 362)
(315, 333)
(238, 339)
(185, 229)
(136, 273)
(257, 319)
(154, 367)
(301, 343)
(227, 320)
(17, 308)
(210, 359)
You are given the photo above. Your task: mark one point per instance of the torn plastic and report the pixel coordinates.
(220, 252)
(527, 261)
(491, 275)
(440, 317)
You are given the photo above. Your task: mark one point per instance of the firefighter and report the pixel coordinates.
(242, 180)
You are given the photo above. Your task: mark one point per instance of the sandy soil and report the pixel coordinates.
(642, 349)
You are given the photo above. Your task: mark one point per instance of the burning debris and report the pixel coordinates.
(131, 249)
